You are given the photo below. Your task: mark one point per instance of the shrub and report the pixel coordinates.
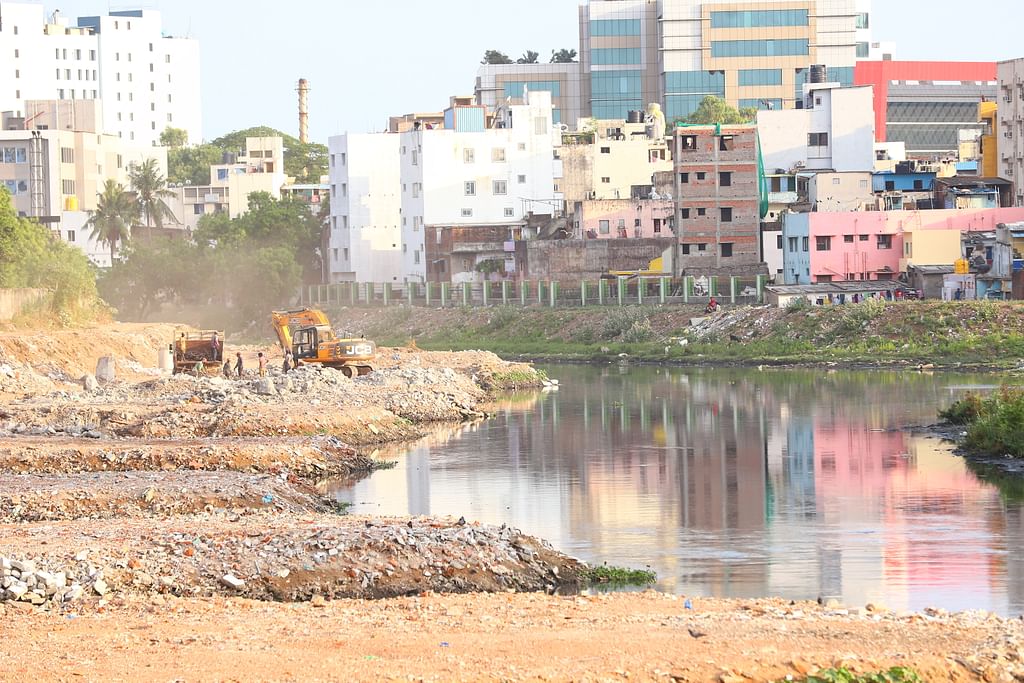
(639, 331)
(995, 425)
(964, 411)
(621, 320)
(798, 304)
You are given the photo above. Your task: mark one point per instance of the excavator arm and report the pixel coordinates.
(286, 321)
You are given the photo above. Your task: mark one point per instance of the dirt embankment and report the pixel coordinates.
(230, 467)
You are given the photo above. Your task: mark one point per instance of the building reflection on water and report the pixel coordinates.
(732, 483)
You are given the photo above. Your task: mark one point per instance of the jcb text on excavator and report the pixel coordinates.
(308, 333)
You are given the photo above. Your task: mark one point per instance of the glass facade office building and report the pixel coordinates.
(676, 52)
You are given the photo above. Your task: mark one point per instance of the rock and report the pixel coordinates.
(232, 582)
(105, 369)
(265, 387)
(89, 383)
(317, 601)
(100, 587)
(876, 608)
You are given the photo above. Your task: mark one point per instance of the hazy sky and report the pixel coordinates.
(368, 60)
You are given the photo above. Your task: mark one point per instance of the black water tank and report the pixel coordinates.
(634, 116)
(819, 74)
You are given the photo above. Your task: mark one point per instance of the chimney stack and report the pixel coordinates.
(303, 91)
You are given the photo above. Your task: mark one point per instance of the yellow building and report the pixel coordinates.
(930, 248)
(989, 140)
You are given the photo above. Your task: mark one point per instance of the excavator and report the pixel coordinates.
(308, 333)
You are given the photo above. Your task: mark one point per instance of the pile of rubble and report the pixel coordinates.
(277, 558)
(21, 580)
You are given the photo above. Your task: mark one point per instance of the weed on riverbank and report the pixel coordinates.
(896, 674)
(620, 576)
(995, 425)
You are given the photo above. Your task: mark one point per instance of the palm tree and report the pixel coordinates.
(115, 212)
(150, 189)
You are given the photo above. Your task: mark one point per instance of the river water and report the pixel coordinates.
(732, 483)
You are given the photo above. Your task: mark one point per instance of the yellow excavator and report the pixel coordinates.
(308, 333)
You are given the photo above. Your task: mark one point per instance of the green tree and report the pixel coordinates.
(495, 57)
(563, 56)
(116, 211)
(716, 110)
(30, 256)
(529, 57)
(151, 191)
(191, 165)
(174, 138)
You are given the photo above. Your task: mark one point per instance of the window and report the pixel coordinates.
(16, 53)
(863, 184)
(604, 227)
(509, 213)
(689, 142)
(540, 125)
(725, 143)
(823, 244)
(884, 241)
(606, 150)
(498, 155)
(804, 243)
(702, 247)
(68, 187)
(863, 20)
(78, 54)
(636, 222)
(67, 155)
(468, 155)
(604, 56)
(415, 158)
(344, 253)
(92, 57)
(701, 175)
(848, 239)
(760, 18)
(167, 58)
(71, 235)
(416, 189)
(725, 179)
(793, 243)
(760, 48)
(469, 188)
(521, 179)
(726, 214)
(863, 50)
(615, 27)
(686, 249)
(726, 249)
(344, 158)
(778, 242)
(918, 184)
(684, 214)
(416, 256)
(467, 213)
(890, 185)
(500, 187)
(702, 212)
(760, 77)
(197, 209)
(606, 179)
(817, 139)
(863, 238)
(684, 178)
(836, 181)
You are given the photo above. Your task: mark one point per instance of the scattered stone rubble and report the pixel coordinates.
(277, 558)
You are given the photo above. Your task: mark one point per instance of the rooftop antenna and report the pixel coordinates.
(303, 91)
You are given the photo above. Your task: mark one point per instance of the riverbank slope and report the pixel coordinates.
(986, 334)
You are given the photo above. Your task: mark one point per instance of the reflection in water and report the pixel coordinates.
(733, 483)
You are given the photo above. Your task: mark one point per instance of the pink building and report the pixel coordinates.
(878, 245)
(624, 218)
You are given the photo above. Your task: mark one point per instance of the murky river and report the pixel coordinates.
(733, 483)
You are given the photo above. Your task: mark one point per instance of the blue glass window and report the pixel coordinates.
(695, 82)
(681, 106)
(761, 77)
(615, 55)
(614, 110)
(760, 48)
(514, 89)
(615, 27)
(757, 18)
(615, 85)
(761, 103)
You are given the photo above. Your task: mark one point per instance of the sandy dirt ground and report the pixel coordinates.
(494, 637)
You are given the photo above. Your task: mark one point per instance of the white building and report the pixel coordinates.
(147, 81)
(833, 132)
(75, 158)
(1010, 130)
(470, 176)
(365, 239)
(257, 168)
(498, 84)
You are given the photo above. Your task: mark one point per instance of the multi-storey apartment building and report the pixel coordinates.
(717, 199)
(676, 52)
(146, 81)
(1010, 130)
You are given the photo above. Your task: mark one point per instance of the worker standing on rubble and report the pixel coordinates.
(182, 347)
(262, 364)
(215, 346)
(227, 369)
(238, 363)
(287, 365)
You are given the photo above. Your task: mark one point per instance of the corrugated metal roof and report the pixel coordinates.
(835, 287)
